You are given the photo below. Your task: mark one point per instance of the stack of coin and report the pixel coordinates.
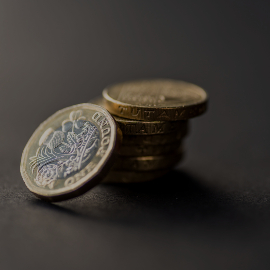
(153, 117)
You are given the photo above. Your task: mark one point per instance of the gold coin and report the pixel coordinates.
(155, 100)
(157, 140)
(136, 127)
(149, 150)
(147, 163)
(132, 177)
(70, 152)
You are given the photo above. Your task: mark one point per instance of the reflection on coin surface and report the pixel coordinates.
(70, 152)
(132, 177)
(157, 140)
(147, 163)
(160, 99)
(137, 127)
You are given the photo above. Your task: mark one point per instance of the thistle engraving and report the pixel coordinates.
(65, 151)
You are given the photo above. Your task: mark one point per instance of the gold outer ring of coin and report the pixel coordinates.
(151, 100)
(147, 163)
(132, 177)
(149, 150)
(70, 152)
(135, 127)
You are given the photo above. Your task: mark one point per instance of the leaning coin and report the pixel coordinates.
(149, 150)
(147, 163)
(136, 127)
(159, 99)
(173, 137)
(70, 152)
(132, 177)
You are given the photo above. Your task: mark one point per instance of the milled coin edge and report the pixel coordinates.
(126, 110)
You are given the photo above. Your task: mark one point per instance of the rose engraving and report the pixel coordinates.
(64, 151)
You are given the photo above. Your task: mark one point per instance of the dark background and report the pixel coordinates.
(213, 212)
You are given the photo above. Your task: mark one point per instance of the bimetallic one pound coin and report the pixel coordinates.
(132, 177)
(155, 100)
(136, 127)
(70, 152)
(147, 163)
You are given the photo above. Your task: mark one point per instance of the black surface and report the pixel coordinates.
(213, 212)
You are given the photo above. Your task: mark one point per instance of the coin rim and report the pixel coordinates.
(90, 179)
(174, 158)
(181, 125)
(110, 104)
(129, 149)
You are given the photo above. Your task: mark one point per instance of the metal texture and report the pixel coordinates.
(169, 138)
(155, 100)
(70, 152)
(147, 163)
(149, 150)
(137, 127)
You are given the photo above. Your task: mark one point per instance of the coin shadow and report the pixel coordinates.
(54, 207)
(178, 194)
(175, 197)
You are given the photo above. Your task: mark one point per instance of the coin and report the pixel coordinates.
(132, 177)
(157, 140)
(151, 100)
(133, 127)
(70, 152)
(147, 163)
(136, 127)
(149, 150)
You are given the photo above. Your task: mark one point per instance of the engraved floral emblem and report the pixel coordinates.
(64, 151)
